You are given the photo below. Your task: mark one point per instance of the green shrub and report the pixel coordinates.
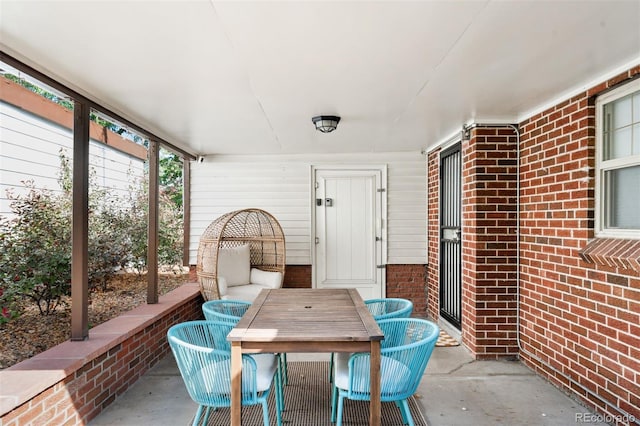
(35, 244)
(36, 250)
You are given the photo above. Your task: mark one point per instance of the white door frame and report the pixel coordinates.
(381, 203)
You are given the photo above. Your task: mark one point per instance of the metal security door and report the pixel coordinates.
(450, 236)
(348, 243)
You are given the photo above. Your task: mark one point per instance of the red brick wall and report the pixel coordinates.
(433, 235)
(86, 392)
(297, 276)
(409, 282)
(579, 318)
(489, 188)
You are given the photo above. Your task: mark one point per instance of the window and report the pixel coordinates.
(618, 162)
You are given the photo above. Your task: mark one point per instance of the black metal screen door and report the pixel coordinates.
(450, 238)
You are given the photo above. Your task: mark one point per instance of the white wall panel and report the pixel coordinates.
(281, 185)
(30, 150)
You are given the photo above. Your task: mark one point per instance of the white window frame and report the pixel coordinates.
(603, 166)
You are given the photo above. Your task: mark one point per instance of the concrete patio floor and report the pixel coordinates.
(456, 390)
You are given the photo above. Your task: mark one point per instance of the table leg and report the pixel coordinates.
(236, 384)
(375, 406)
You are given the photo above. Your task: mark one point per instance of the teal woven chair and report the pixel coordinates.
(383, 308)
(200, 350)
(225, 310)
(404, 358)
(231, 311)
(389, 307)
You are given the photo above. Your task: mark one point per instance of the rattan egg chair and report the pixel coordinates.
(255, 227)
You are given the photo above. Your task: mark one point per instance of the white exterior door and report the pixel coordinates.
(350, 242)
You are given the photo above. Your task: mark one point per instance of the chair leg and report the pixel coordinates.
(406, 414)
(402, 413)
(334, 401)
(279, 409)
(283, 359)
(196, 418)
(207, 413)
(340, 408)
(279, 390)
(265, 413)
(331, 368)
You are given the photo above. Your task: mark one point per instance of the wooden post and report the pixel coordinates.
(186, 208)
(80, 224)
(153, 226)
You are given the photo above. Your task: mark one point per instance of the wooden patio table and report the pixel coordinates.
(306, 320)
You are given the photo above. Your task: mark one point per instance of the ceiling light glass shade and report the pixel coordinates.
(326, 123)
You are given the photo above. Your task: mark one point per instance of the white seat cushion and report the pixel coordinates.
(222, 286)
(267, 365)
(392, 373)
(266, 278)
(247, 293)
(215, 381)
(235, 265)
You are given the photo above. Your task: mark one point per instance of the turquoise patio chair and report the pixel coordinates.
(382, 308)
(225, 310)
(231, 311)
(403, 361)
(389, 307)
(205, 367)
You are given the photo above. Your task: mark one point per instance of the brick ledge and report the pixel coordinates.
(613, 252)
(23, 381)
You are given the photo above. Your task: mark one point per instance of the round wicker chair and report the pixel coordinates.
(255, 227)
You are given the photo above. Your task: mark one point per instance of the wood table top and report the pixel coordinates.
(290, 315)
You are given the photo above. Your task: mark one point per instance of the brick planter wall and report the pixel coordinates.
(73, 382)
(582, 319)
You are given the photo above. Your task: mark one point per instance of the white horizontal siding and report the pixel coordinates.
(218, 187)
(281, 185)
(407, 211)
(30, 150)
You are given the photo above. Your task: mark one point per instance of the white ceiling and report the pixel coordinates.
(236, 77)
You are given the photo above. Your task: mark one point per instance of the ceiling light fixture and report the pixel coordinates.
(326, 123)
